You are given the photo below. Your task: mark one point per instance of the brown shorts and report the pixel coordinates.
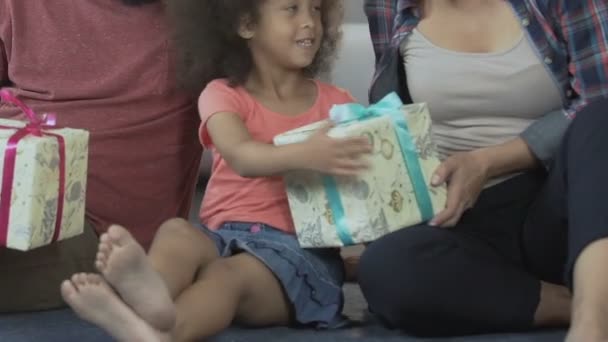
(29, 281)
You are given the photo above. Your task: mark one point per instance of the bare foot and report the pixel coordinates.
(590, 333)
(124, 264)
(94, 301)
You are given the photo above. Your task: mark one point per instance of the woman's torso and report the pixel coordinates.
(480, 75)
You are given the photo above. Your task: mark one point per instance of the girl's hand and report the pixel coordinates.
(465, 173)
(336, 156)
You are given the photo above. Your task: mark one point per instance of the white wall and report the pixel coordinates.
(354, 11)
(355, 65)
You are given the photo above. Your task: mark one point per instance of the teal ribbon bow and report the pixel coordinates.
(389, 106)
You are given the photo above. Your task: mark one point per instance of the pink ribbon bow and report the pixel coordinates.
(35, 126)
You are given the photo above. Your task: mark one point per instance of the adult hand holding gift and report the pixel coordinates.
(43, 179)
(393, 193)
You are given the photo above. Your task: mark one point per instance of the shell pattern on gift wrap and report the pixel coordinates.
(396, 201)
(378, 227)
(312, 233)
(357, 188)
(47, 228)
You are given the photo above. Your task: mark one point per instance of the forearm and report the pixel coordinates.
(256, 159)
(506, 158)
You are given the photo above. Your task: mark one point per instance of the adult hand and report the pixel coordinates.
(465, 174)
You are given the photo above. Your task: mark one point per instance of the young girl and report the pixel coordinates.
(257, 59)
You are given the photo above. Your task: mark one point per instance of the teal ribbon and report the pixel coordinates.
(337, 210)
(389, 106)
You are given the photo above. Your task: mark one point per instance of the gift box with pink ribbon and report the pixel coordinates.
(43, 173)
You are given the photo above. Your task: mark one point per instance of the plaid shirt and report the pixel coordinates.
(570, 36)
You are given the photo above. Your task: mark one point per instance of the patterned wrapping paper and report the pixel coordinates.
(378, 201)
(35, 192)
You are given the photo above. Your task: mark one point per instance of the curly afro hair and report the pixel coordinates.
(209, 46)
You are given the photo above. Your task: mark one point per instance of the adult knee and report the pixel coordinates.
(594, 113)
(590, 122)
(584, 144)
(400, 272)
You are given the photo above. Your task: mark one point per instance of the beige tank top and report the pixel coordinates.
(478, 99)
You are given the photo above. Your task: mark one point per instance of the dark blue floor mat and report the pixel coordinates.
(64, 326)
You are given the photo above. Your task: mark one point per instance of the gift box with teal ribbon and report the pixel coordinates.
(395, 193)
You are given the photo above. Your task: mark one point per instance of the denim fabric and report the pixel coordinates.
(311, 278)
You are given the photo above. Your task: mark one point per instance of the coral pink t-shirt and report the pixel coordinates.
(230, 197)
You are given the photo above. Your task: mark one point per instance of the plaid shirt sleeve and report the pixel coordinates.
(584, 28)
(380, 16)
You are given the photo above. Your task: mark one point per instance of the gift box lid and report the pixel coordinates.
(339, 131)
(14, 125)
